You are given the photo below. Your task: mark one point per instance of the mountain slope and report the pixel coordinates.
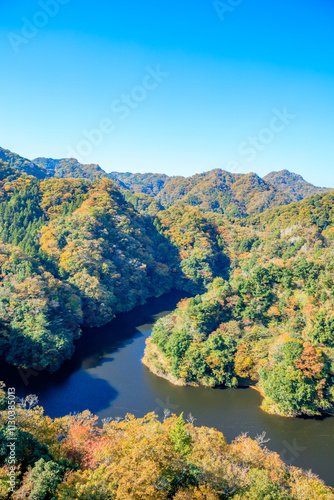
(22, 164)
(293, 184)
(150, 184)
(219, 191)
(70, 167)
(236, 195)
(272, 321)
(93, 256)
(76, 252)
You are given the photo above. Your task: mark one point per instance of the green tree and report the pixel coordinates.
(180, 437)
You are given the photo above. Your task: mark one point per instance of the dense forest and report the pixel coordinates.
(77, 249)
(293, 184)
(78, 246)
(234, 195)
(22, 164)
(271, 322)
(75, 252)
(74, 458)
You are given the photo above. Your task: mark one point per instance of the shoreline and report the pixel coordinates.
(268, 409)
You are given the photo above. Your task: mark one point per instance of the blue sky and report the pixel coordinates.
(178, 87)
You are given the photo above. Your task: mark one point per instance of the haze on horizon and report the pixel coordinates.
(171, 88)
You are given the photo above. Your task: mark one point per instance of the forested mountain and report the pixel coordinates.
(76, 252)
(235, 195)
(150, 184)
(293, 184)
(219, 191)
(74, 458)
(22, 164)
(271, 322)
(70, 167)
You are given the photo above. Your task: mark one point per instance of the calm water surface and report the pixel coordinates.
(106, 376)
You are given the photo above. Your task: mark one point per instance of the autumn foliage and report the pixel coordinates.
(142, 458)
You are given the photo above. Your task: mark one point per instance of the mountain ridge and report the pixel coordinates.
(293, 184)
(22, 164)
(71, 167)
(217, 190)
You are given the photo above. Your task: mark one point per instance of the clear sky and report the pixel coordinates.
(178, 87)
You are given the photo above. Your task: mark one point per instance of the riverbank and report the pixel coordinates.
(159, 365)
(128, 457)
(107, 377)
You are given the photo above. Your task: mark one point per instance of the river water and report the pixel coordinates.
(106, 376)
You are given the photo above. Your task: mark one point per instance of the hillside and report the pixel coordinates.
(271, 322)
(236, 195)
(76, 252)
(293, 184)
(70, 167)
(149, 184)
(141, 458)
(17, 162)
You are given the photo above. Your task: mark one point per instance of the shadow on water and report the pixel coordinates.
(77, 386)
(64, 392)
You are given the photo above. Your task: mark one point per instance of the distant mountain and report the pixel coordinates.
(235, 195)
(142, 202)
(70, 167)
(150, 184)
(218, 191)
(293, 184)
(223, 192)
(22, 164)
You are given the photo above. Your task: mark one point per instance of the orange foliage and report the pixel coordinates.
(311, 362)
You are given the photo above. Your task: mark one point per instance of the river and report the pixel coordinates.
(106, 376)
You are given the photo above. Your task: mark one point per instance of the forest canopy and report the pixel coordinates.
(271, 322)
(78, 246)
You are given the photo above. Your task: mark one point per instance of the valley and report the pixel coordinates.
(250, 273)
